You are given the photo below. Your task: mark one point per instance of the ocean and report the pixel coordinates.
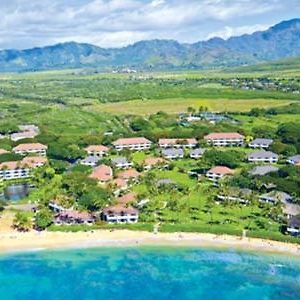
(148, 273)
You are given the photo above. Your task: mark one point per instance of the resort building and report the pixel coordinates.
(274, 197)
(127, 198)
(261, 143)
(34, 161)
(223, 139)
(29, 127)
(152, 162)
(173, 153)
(236, 195)
(102, 174)
(14, 170)
(263, 170)
(291, 210)
(134, 144)
(119, 185)
(20, 169)
(207, 116)
(72, 217)
(34, 148)
(57, 208)
(293, 227)
(130, 174)
(218, 172)
(90, 161)
(96, 150)
(120, 214)
(294, 160)
(121, 162)
(177, 143)
(263, 157)
(197, 153)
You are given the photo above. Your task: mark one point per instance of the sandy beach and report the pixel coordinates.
(12, 241)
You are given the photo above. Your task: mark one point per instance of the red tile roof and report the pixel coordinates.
(102, 173)
(120, 209)
(31, 161)
(223, 135)
(32, 146)
(221, 170)
(130, 173)
(12, 165)
(130, 141)
(127, 198)
(73, 214)
(151, 161)
(119, 183)
(96, 148)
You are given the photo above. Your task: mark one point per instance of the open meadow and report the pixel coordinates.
(178, 105)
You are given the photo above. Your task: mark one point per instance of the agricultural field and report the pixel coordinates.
(175, 105)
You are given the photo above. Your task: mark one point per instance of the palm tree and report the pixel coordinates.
(22, 222)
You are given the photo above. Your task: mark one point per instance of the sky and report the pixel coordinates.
(117, 23)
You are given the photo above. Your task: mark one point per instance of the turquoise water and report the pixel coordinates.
(148, 273)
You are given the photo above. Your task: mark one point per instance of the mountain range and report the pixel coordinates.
(278, 42)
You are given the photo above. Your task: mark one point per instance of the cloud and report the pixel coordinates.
(114, 23)
(228, 31)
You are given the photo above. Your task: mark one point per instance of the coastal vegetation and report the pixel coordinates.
(74, 110)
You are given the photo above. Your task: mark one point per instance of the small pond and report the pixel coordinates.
(15, 192)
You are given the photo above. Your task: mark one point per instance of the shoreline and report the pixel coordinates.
(15, 242)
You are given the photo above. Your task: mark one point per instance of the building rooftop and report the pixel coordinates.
(73, 214)
(130, 141)
(295, 159)
(12, 165)
(102, 173)
(263, 170)
(127, 198)
(151, 161)
(262, 154)
(31, 161)
(119, 160)
(198, 151)
(294, 221)
(96, 148)
(130, 173)
(29, 127)
(90, 160)
(172, 152)
(30, 146)
(262, 141)
(291, 209)
(222, 170)
(120, 210)
(119, 183)
(223, 135)
(277, 196)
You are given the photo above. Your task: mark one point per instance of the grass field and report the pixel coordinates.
(146, 107)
